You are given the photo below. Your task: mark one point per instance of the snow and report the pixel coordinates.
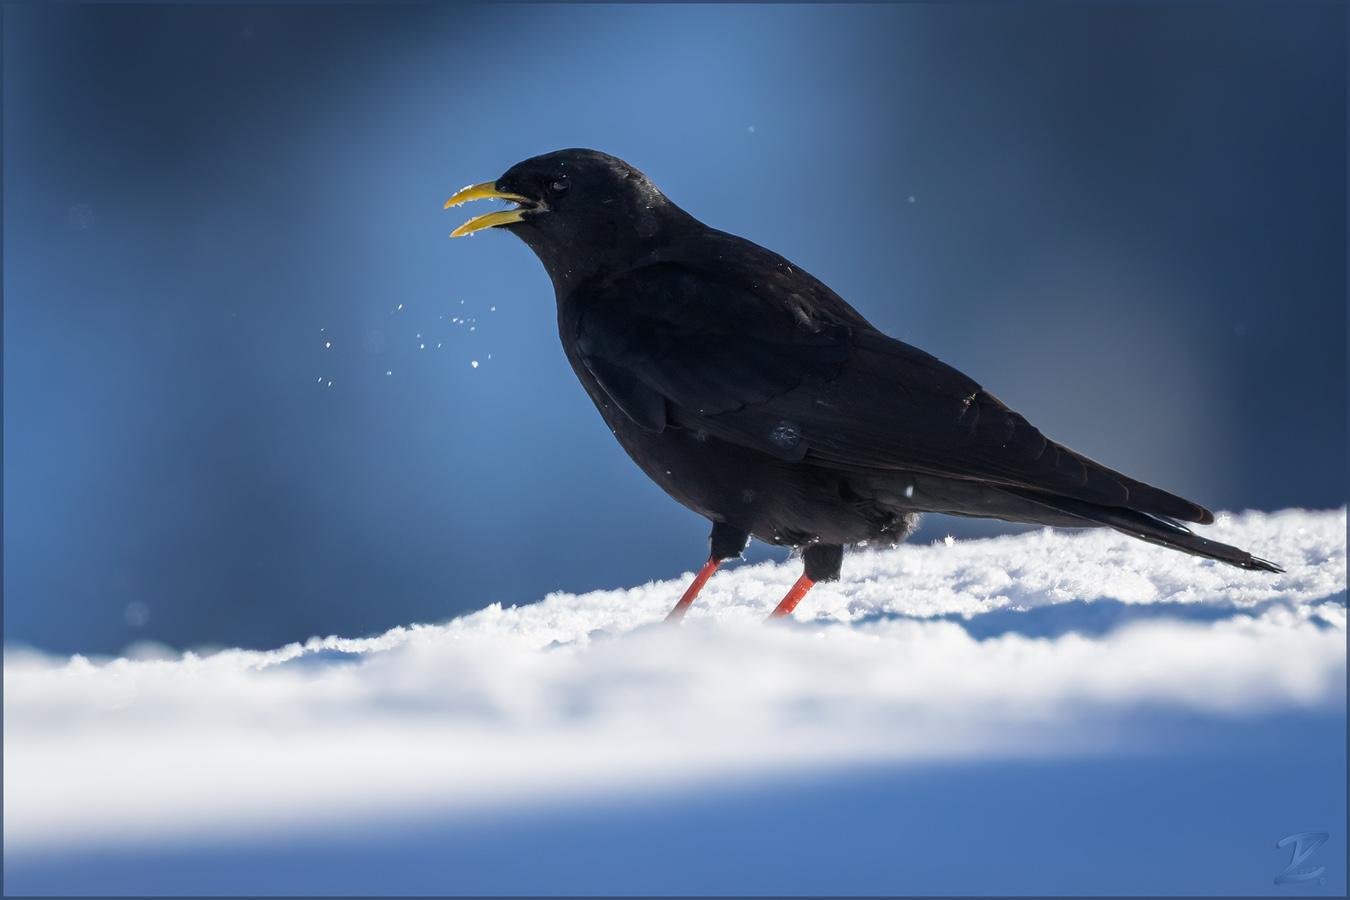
(1024, 645)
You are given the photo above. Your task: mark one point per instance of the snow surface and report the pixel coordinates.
(1044, 643)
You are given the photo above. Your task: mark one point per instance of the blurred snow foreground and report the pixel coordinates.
(1016, 645)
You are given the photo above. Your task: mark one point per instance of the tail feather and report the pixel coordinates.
(1155, 529)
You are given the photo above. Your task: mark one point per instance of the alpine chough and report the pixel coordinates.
(754, 395)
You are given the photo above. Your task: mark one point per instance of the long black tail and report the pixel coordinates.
(1152, 528)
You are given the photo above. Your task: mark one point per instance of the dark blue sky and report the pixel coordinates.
(1128, 222)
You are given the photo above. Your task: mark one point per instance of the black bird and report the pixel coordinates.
(754, 395)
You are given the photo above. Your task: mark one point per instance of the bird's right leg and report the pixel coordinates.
(724, 542)
(823, 562)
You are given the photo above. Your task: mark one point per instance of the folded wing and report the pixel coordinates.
(787, 367)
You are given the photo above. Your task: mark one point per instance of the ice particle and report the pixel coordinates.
(785, 436)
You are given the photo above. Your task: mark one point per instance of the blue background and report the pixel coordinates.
(1128, 222)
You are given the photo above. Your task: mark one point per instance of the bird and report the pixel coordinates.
(757, 397)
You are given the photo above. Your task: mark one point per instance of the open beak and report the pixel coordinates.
(488, 191)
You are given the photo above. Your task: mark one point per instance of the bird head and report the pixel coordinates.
(582, 212)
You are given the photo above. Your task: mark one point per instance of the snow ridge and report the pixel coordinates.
(1039, 643)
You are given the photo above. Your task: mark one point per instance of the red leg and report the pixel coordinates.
(700, 579)
(793, 597)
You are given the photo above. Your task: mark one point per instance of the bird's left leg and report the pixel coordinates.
(724, 542)
(823, 562)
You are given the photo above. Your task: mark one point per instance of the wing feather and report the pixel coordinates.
(787, 367)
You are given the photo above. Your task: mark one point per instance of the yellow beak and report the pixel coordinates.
(487, 191)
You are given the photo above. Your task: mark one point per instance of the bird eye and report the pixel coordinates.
(559, 185)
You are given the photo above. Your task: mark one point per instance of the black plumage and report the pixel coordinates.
(757, 397)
